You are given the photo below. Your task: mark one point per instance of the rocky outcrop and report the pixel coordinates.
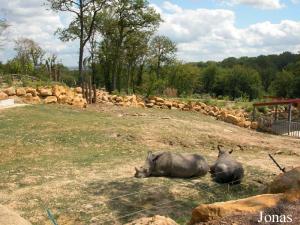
(9, 217)
(285, 182)
(44, 92)
(20, 91)
(3, 96)
(155, 220)
(10, 91)
(251, 205)
(48, 95)
(50, 100)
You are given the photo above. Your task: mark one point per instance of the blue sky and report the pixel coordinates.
(202, 29)
(245, 14)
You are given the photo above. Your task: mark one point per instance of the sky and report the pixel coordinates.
(202, 29)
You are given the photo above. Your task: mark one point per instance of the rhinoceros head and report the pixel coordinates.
(147, 168)
(223, 151)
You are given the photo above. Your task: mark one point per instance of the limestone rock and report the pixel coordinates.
(58, 90)
(158, 99)
(21, 91)
(9, 217)
(79, 102)
(155, 220)
(78, 90)
(29, 99)
(10, 91)
(51, 100)
(168, 104)
(149, 105)
(141, 104)
(31, 91)
(254, 125)
(232, 119)
(285, 182)
(215, 211)
(3, 96)
(44, 92)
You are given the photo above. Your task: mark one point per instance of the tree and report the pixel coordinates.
(28, 50)
(82, 26)
(119, 25)
(162, 51)
(29, 54)
(3, 26)
(282, 85)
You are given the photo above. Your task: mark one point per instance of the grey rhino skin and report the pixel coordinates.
(167, 164)
(226, 169)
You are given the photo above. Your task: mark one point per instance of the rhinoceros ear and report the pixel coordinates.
(150, 154)
(220, 148)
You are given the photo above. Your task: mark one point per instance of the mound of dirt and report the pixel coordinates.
(9, 217)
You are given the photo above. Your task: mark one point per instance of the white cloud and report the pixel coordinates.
(205, 34)
(261, 4)
(31, 19)
(295, 1)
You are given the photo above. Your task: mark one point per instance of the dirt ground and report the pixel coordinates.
(79, 164)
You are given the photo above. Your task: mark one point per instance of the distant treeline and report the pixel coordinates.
(246, 77)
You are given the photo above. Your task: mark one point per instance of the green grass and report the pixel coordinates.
(74, 161)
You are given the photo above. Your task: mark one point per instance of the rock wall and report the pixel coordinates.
(47, 95)
(236, 117)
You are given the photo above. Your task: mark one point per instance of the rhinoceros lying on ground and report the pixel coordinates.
(167, 164)
(226, 169)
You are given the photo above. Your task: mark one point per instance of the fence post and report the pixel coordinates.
(290, 118)
(254, 114)
(276, 112)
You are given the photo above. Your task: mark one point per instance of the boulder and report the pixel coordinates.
(158, 99)
(232, 119)
(29, 99)
(149, 105)
(79, 102)
(10, 217)
(285, 182)
(254, 125)
(58, 90)
(78, 90)
(3, 96)
(155, 220)
(31, 91)
(51, 100)
(168, 104)
(105, 98)
(44, 92)
(119, 99)
(215, 211)
(10, 91)
(247, 124)
(141, 104)
(21, 91)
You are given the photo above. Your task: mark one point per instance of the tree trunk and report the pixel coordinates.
(80, 66)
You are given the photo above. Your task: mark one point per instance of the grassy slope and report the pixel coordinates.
(73, 161)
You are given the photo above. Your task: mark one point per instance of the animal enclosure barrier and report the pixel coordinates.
(287, 126)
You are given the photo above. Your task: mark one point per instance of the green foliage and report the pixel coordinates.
(282, 85)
